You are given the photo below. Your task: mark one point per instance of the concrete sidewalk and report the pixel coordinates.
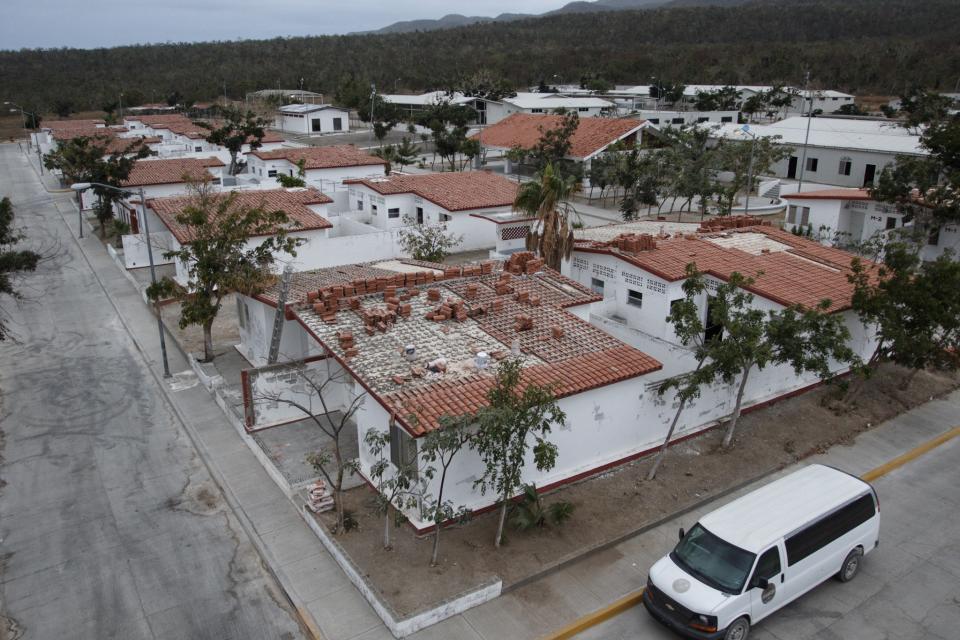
(315, 584)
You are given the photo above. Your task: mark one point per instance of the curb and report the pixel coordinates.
(303, 616)
(632, 599)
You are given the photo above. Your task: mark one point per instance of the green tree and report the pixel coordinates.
(642, 175)
(382, 115)
(236, 129)
(429, 242)
(449, 125)
(691, 162)
(63, 108)
(391, 482)
(546, 198)
(13, 261)
(735, 156)
(748, 338)
(555, 143)
(217, 258)
(919, 108)
(722, 99)
(518, 418)
(291, 182)
(405, 153)
(440, 447)
(484, 84)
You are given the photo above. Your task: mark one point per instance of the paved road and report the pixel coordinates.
(110, 525)
(909, 588)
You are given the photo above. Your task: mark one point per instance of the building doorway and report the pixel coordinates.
(792, 168)
(869, 174)
(315, 124)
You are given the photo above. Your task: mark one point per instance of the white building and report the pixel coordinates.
(844, 152)
(493, 111)
(460, 200)
(322, 165)
(180, 137)
(826, 101)
(306, 209)
(312, 119)
(661, 119)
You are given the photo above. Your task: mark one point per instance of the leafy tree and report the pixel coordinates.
(12, 261)
(352, 92)
(383, 115)
(449, 125)
(642, 175)
(429, 242)
(517, 419)
(744, 337)
(440, 447)
(554, 144)
(392, 483)
(919, 108)
(850, 109)
(484, 84)
(332, 421)
(691, 162)
(174, 99)
(734, 156)
(217, 258)
(722, 99)
(291, 182)
(63, 108)
(595, 83)
(76, 159)
(531, 513)
(236, 129)
(546, 198)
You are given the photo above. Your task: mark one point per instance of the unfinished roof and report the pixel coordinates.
(367, 324)
(787, 269)
(457, 191)
(294, 202)
(608, 232)
(171, 171)
(334, 156)
(72, 124)
(592, 136)
(831, 194)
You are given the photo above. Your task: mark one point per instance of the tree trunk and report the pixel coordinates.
(909, 379)
(338, 488)
(666, 441)
(208, 341)
(858, 385)
(386, 528)
(436, 525)
(503, 518)
(732, 425)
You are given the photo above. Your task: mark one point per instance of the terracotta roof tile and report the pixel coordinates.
(169, 171)
(343, 155)
(458, 191)
(291, 201)
(524, 130)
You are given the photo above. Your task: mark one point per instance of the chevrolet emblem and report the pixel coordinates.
(668, 606)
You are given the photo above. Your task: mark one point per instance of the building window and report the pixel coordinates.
(360, 204)
(703, 119)
(656, 287)
(419, 215)
(580, 263)
(536, 110)
(596, 285)
(373, 209)
(653, 120)
(792, 214)
(726, 118)
(604, 271)
(846, 164)
(393, 213)
(338, 124)
(891, 223)
(812, 164)
(934, 238)
(403, 448)
(272, 173)
(634, 298)
(677, 121)
(805, 215)
(198, 149)
(445, 217)
(583, 109)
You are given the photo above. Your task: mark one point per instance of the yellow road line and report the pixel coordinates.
(633, 599)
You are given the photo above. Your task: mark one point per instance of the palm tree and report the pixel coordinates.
(545, 197)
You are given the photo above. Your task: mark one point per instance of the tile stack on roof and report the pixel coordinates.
(170, 171)
(459, 191)
(293, 202)
(787, 269)
(334, 156)
(524, 130)
(499, 309)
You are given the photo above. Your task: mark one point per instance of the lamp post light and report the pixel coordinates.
(83, 186)
(753, 143)
(23, 123)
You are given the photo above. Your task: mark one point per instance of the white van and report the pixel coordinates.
(747, 559)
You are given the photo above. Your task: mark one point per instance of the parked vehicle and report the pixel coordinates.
(747, 559)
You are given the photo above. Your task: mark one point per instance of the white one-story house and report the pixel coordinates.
(305, 207)
(592, 137)
(640, 275)
(827, 101)
(460, 200)
(493, 111)
(332, 164)
(844, 152)
(181, 137)
(312, 118)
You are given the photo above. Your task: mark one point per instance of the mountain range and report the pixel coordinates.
(453, 20)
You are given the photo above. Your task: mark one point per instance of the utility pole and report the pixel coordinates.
(121, 107)
(753, 143)
(373, 105)
(806, 139)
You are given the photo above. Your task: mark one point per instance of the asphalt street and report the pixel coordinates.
(110, 524)
(908, 589)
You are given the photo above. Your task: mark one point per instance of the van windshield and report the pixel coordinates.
(713, 561)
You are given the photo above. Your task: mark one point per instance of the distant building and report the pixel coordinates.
(493, 111)
(312, 118)
(331, 164)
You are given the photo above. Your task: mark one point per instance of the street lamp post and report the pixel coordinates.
(83, 186)
(753, 143)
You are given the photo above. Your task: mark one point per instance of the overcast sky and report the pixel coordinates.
(100, 23)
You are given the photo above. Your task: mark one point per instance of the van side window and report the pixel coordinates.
(769, 564)
(814, 537)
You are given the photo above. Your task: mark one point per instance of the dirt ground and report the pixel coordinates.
(619, 502)
(226, 331)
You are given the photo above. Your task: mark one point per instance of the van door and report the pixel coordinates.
(764, 600)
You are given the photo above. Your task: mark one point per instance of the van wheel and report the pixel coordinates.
(850, 566)
(738, 630)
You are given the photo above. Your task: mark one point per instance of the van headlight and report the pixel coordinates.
(704, 623)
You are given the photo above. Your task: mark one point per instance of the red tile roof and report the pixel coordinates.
(805, 273)
(293, 202)
(524, 130)
(557, 347)
(70, 124)
(831, 194)
(457, 191)
(170, 171)
(342, 155)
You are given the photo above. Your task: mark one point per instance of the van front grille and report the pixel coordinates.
(670, 606)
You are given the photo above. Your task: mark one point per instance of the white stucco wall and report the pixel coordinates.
(828, 165)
